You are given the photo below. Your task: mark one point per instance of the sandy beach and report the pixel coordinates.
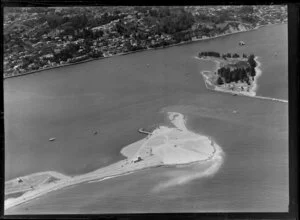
(165, 146)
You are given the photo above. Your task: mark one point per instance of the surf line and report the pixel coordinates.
(255, 97)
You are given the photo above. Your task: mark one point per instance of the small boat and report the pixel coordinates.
(52, 139)
(241, 43)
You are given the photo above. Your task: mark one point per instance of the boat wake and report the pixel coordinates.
(194, 172)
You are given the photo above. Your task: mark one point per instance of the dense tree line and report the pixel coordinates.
(176, 22)
(78, 21)
(168, 20)
(209, 53)
(252, 63)
(224, 56)
(227, 75)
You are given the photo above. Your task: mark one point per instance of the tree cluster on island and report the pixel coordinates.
(242, 74)
(237, 72)
(216, 54)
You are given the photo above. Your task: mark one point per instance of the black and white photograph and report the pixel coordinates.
(146, 109)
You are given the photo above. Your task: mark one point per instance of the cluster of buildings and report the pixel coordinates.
(25, 50)
(271, 14)
(30, 44)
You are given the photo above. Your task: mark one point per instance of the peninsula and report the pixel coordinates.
(234, 73)
(165, 146)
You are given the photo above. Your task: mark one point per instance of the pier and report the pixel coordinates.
(240, 94)
(141, 130)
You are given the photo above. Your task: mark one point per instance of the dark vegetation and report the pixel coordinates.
(240, 71)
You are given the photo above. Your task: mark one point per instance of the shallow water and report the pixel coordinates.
(119, 95)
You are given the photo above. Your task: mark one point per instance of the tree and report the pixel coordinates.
(235, 55)
(209, 53)
(251, 61)
(220, 81)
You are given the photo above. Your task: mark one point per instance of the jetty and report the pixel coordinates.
(241, 94)
(141, 130)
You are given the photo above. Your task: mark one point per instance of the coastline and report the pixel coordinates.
(141, 50)
(258, 73)
(254, 87)
(169, 147)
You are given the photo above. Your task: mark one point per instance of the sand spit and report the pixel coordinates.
(166, 146)
(26, 183)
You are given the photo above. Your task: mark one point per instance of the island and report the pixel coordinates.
(164, 146)
(235, 73)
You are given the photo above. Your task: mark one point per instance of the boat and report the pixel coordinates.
(52, 139)
(241, 43)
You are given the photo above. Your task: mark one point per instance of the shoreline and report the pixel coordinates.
(254, 87)
(165, 144)
(141, 50)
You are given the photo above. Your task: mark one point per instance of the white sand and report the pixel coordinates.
(166, 146)
(172, 145)
(35, 180)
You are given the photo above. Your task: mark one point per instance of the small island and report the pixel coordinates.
(235, 73)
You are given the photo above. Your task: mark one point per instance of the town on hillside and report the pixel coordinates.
(37, 38)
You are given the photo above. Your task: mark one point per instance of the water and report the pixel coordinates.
(117, 96)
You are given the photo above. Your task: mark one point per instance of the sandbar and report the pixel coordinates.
(164, 146)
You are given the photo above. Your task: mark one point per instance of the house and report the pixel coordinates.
(137, 159)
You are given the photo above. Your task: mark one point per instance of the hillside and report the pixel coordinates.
(45, 37)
